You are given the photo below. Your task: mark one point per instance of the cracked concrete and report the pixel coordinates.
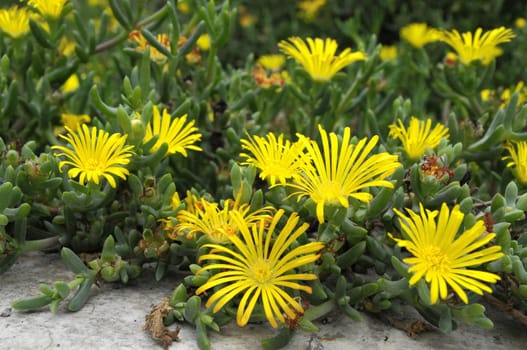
(115, 314)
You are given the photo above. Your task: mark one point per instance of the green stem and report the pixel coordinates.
(210, 64)
(348, 96)
(316, 312)
(40, 244)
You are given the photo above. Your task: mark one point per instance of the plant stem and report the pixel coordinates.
(41, 244)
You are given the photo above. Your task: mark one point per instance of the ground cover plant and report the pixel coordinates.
(286, 160)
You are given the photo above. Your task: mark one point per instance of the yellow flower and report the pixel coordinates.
(520, 22)
(183, 6)
(175, 201)
(262, 268)
(517, 159)
(71, 84)
(418, 137)
(388, 52)
(142, 44)
(276, 158)
(337, 173)
(217, 224)
(318, 56)
(95, 154)
(177, 133)
(309, 9)
(487, 94)
(74, 121)
(272, 62)
(418, 34)
(473, 47)
(442, 258)
(506, 95)
(14, 21)
(66, 47)
(48, 8)
(203, 42)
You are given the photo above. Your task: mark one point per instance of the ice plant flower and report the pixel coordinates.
(261, 267)
(388, 52)
(477, 47)
(318, 56)
(268, 71)
(203, 42)
(156, 56)
(419, 34)
(48, 8)
(442, 256)
(339, 172)
(74, 121)
(71, 84)
(418, 137)
(517, 159)
(178, 134)
(308, 9)
(14, 21)
(505, 96)
(267, 80)
(217, 223)
(272, 62)
(277, 159)
(95, 154)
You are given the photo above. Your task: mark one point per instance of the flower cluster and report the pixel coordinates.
(328, 176)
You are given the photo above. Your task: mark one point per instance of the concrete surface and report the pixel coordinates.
(114, 316)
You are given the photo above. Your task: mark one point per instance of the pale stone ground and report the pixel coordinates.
(115, 314)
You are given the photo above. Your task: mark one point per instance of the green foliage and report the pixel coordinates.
(135, 224)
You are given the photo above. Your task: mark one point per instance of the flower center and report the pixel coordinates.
(277, 167)
(261, 271)
(329, 192)
(221, 233)
(92, 165)
(435, 259)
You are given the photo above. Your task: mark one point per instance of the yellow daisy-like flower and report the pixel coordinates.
(419, 34)
(183, 7)
(272, 62)
(74, 121)
(388, 52)
(261, 267)
(418, 137)
(203, 42)
(142, 44)
(517, 159)
(506, 95)
(178, 134)
(48, 8)
(14, 21)
(277, 159)
(217, 223)
(95, 154)
(309, 9)
(318, 56)
(71, 84)
(66, 47)
(442, 258)
(337, 173)
(473, 47)
(520, 22)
